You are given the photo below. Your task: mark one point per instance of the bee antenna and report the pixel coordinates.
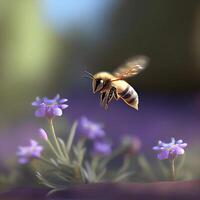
(88, 77)
(89, 74)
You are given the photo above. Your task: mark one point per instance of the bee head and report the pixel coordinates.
(99, 80)
(97, 84)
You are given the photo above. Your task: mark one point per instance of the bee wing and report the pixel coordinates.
(131, 67)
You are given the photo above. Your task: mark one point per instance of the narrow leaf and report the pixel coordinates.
(63, 148)
(71, 137)
(146, 167)
(123, 176)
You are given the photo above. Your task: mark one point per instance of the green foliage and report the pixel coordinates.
(68, 164)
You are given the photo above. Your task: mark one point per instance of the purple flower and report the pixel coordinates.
(26, 153)
(43, 134)
(49, 108)
(170, 150)
(91, 129)
(102, 148)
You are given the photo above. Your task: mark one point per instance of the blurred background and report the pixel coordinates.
(46, 45)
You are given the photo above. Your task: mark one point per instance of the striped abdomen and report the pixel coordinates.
(130, 96)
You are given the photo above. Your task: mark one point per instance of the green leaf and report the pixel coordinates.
(180, 163)
(44, 181)
(123, 176)
(55, 190)
(91, 174)
(71, 137)
(79, 154)
(146, 167)
(164, 170)
(125, 165)
(53, 162)
(101, 175)
(63, 148)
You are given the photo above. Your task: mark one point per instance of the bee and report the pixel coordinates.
(114, 85)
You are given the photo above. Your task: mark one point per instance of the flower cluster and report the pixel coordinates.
(26, 153)
(94, 131)
(170, 150)
(95, 139)
(90, 129)
(49, 108)
(102, 148)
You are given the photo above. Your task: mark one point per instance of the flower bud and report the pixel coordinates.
(43, 134)
(132, 144)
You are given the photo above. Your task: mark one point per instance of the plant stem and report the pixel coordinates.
(95, 162)
(46, 161)
(173, 175)
(55, 138)
(52, 148)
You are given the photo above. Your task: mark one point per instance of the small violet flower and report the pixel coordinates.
(43, 134)
(49, 108)
(170, 150)
(102, 148)
(26, 153)
(91, 129)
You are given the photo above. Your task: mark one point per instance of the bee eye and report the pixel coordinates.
(98, 85)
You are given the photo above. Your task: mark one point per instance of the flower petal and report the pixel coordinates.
(37, 152)
(102, 148)
(48, 101)
(57, 111)
(179, 142)
(156, 148)
(21, 151)
(57, 97)
(173, 140)
(35, 103)
(23, 160)
(63, 100)
(164, 154)
(63, 106)
(40, 112)
(100, 133)
(178, 151)
(183, 145)
(33, 142)
(90, 129)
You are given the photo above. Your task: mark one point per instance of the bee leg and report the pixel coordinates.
(104, 100)
(115, 93)
(106, 106)
(107, 98)
(102, 97)
(110, 95)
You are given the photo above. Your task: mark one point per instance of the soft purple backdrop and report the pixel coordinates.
(159, 117)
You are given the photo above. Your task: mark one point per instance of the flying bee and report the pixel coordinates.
(114, 85)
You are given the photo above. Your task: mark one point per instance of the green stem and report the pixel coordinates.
(55, 138)
(126, 163)
(46, 161)
(52, 148)
(95, 162)
(173, 174)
